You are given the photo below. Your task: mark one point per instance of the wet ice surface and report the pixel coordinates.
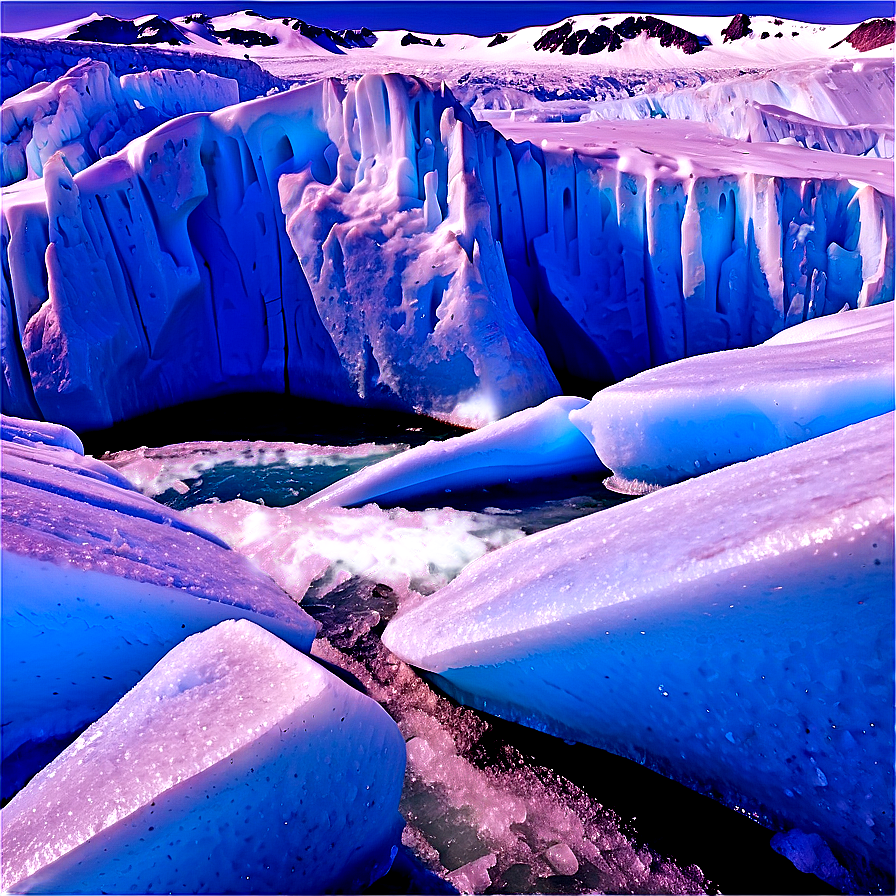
(490, 806)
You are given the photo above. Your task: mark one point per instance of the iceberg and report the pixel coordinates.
(99, 582)
(750, 656)
(692, 416)
(237, 764)
(536, 443)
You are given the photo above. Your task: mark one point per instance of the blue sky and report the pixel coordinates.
(461, 15)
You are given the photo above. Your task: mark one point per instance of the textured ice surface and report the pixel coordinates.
(88, 113)
(237, 764)
(374, 244)
(749, 656)
(98, 583)
(843, 107)
(536, 443)
(699, 414)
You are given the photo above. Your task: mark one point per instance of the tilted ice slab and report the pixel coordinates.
(89, 113)
(98, 583)
(699, 414)
(236, 765)
(532, 444)
(734, 632)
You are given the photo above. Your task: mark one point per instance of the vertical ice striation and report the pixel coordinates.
(89, 113)
(374, 244)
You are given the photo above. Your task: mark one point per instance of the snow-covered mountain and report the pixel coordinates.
(617, 39)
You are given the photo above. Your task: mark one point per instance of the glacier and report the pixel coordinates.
(749, 657)
(93, 569)
(236, 764)
(842, 107)
(694, 222)
(375, 244)
(89, 113)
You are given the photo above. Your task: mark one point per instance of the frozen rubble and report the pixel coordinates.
(749, 657)
(374, 244)
(99, 582)
(692, 416)
(88, 113)
(237, 764)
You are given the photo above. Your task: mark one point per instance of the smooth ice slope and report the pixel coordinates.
(236, 765)
(699, 414)
(98, 583)
(734, 632)
(536, 443)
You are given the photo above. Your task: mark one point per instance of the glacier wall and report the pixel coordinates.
(843, 107)
(29, 62)
(375, 244)
(89, 113)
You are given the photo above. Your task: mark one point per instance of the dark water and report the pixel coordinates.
(730, 849)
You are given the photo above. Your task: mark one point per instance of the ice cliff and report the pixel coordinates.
(89, 113)
(843, 107)
(376, 244)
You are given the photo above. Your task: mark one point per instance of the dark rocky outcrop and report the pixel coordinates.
(871, 35)
(498, 39)
(583, 42)
(737, 28)
(410, 39)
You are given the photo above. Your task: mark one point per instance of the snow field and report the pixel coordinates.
(237, 764)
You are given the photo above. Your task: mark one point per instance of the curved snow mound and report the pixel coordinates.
(734, 632)
(535, 443)
(237, 764)
(696, 415)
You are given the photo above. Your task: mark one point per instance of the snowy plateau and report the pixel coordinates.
(440, 463)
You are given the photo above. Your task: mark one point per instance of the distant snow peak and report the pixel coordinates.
(585, 42)
(112, 30)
